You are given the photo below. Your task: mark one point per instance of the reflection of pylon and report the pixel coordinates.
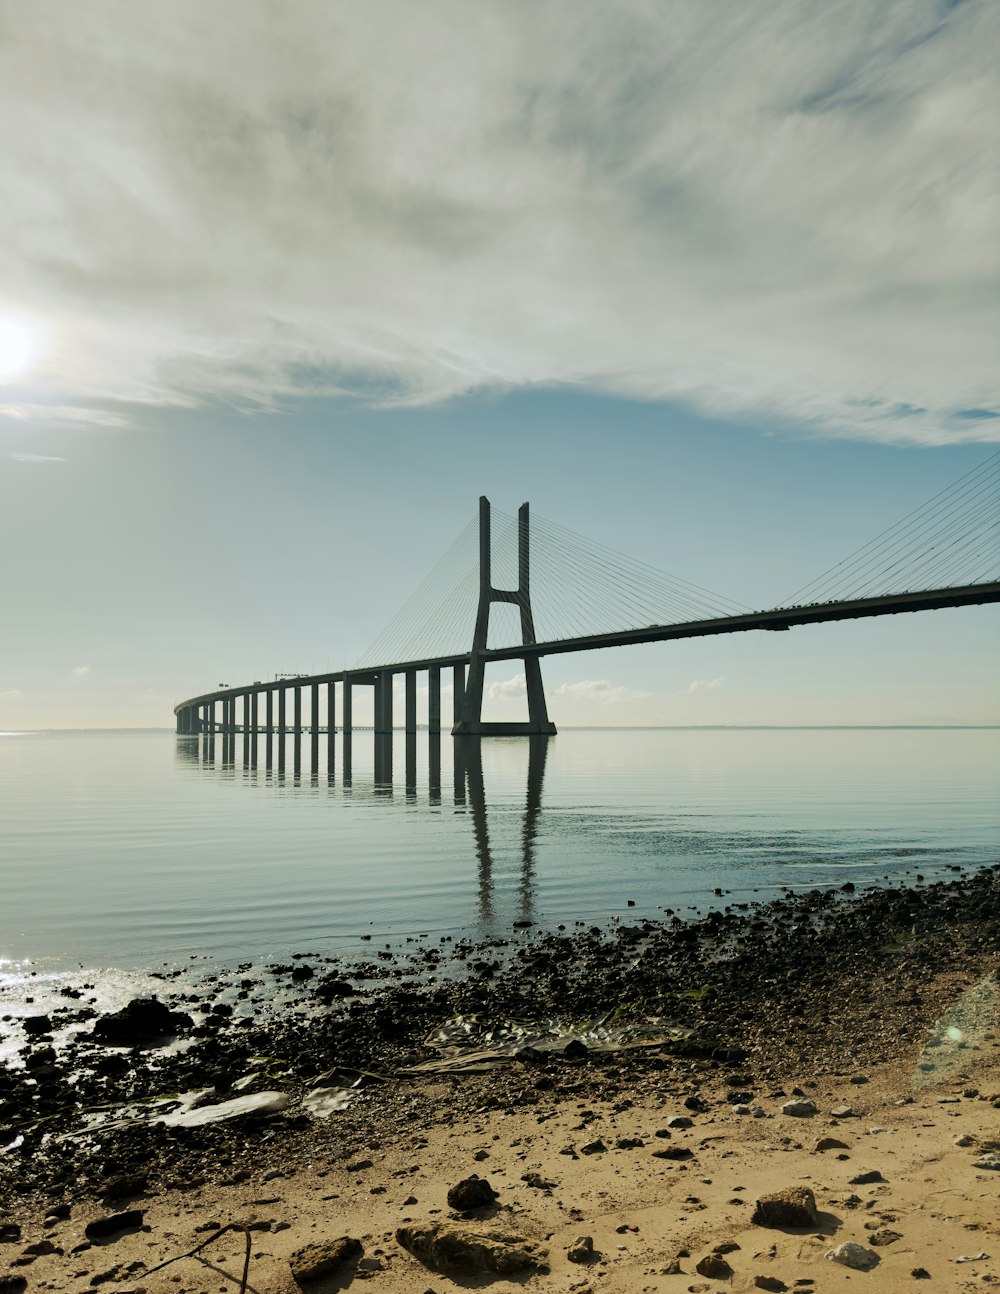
(471, 722)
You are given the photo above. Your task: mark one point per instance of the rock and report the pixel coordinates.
(843, 1112)
(965, 1140)
(143, 1020)
(466, 1248)
(10, 1233)
(35, 1025)
(680, 1121)
(123, 1188)
(581, 1250)
(990, 1160)
(575, 1050)
(674, 1152)
(471, 1193)
(313, 1262)
(866, 1179)
(884, 1236)
(854, 1256)
(101, 1228)
(769, 1283)
(800, 1109)
(11, 1284)
(673, 1268)
(829, 1143)
(42, 1247)
(740, 1109)
(920, 1274)
(715, 1267)
(795, 1206)
(593, 1147)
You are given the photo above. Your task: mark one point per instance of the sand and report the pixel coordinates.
(642, 1212)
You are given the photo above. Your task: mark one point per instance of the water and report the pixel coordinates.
(131, 849)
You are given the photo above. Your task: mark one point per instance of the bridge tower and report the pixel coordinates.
(471, 721)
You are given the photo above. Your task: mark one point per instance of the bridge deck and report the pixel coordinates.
(777, 620)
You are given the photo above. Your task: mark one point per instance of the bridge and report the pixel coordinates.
(587, 597)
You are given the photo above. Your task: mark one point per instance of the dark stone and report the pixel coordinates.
(101, 1228)
(575, 1050)
(11, 1284)
(35, 1025)
(143, 1020)
(715, 1267)
(865, 1179)
(123, 1188)
(10, 1233)
(471, 1193)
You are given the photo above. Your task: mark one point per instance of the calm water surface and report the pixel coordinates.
(128, 849)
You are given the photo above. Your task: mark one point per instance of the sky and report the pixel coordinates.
(285, 288)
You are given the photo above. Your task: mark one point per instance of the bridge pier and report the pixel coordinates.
(434, 698)
(458, 693)
(411, 700)
(331, 726)
(383, 702)
(281, 710)
(297, 711)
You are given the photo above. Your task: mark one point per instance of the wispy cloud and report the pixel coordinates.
(600, 690)
(80, 670)
(62, 415)
(705, 684)
(11, 694)
(778, 212)
(21, 456)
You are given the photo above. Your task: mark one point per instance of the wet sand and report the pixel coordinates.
(883, 1003)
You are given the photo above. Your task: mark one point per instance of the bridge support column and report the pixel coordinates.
(411, 700)
(470, 720)
(347, 721)
(253, 729)
(458, 693)
(434, 698)
(383, 703)
(281, 710)
(297, 711)
(331, 725)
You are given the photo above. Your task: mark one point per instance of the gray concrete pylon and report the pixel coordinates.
(471, 721)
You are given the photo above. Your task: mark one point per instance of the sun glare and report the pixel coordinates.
(20, 347)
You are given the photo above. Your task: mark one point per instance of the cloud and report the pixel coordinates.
(705, 684)
(59, 415)
(600, 690)
(12, 694)
(780, 212)
(20, 456)
(511, 687)
(81, 669)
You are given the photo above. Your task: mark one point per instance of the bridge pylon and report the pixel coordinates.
(471, 722)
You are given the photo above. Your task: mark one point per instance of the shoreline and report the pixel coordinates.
(807, 991)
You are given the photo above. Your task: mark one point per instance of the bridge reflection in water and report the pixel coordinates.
(287, 762)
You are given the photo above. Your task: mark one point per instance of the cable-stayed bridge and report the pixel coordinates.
(522, 588)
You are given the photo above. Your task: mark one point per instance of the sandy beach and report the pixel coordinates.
(844, 1044)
